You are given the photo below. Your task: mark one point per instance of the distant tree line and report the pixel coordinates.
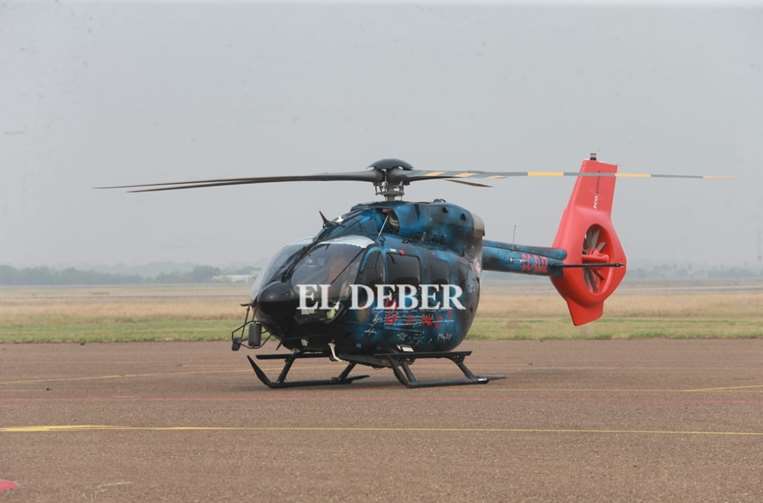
(71, 276)
(666, 272)
(683, 272)
(199, 274)
(204, 274)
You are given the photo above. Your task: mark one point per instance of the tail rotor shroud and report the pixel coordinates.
(587, 234)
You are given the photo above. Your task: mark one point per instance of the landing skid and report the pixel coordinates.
(398, 362)
(281, 382)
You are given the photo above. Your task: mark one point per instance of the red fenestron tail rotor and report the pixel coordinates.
(595, 252)
(587, 235)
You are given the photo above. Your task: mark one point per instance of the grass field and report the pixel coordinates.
(522, 310)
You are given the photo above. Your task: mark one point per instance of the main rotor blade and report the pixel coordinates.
(360, 176)
(394, 176)
(465, 182)
(416, 175)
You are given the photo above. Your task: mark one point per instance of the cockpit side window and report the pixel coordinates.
(334, 264)
(326, 262)
(372, 273)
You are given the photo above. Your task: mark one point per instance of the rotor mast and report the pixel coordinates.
(390, 190)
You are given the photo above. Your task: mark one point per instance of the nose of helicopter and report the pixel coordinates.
(277, 300)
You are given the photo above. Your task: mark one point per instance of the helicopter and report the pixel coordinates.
(394, 281)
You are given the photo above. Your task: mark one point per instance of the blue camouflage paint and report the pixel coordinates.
(535, 260)
(448, 242)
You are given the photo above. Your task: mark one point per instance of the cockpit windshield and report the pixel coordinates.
(275, 266)
(334, 263)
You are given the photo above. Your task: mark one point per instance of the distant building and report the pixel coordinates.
(234, 278)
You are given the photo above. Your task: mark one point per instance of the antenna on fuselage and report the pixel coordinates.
(384, 224)
(326, 221)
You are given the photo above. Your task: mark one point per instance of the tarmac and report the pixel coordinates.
(638, 420)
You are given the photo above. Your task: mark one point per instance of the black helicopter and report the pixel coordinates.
(394, 281)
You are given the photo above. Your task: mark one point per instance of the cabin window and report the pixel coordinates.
(439, 272)
(403, 270)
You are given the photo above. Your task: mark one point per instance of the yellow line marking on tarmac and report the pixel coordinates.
(117, 376)
(148, 374)
(749, 388)
(114, 484)
(740, 389)
(581, 390)
(521, 369)
(726, 388)
(362, 429)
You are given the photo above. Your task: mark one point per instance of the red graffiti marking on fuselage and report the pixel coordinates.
(534, 263)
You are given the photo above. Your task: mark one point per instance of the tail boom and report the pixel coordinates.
(508, 257)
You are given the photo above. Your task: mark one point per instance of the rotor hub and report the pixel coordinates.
(387, 165)
(392, 184)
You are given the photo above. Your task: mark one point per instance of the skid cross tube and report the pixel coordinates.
(342, 378)
(400, 364)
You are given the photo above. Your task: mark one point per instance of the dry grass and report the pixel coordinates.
(659, 310)
(507, 311)
(20, 305)
(628, 302)
(88, 314)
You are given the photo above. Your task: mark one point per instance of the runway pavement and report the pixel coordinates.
(639, 420)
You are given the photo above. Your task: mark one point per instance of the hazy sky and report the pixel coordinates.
(119, 93)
